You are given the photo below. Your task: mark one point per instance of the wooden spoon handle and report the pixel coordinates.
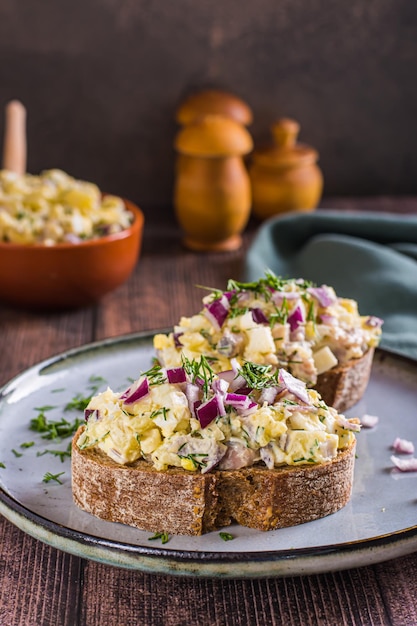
(15, 148)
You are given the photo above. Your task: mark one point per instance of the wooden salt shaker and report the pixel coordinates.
(212, 193)
(285, 177)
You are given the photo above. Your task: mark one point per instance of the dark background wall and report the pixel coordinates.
(101, 80)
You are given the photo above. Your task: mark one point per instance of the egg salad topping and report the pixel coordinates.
(291, 324)
(192, 418)
(55, 208)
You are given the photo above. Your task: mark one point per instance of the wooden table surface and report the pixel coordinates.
(41, 586)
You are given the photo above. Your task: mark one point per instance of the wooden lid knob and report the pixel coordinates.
(285, 132)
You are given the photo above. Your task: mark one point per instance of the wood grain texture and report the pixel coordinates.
(40, 586)
(345, 72)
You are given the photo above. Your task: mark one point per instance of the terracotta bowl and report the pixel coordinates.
(69, 275)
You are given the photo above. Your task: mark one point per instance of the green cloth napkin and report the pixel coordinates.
(370, 257)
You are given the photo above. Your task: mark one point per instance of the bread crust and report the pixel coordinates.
(342, 387)
(190, 503)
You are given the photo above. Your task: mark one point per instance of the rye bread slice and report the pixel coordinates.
(342, 387)
(189, 503)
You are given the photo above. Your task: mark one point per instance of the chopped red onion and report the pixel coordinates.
(238, 383)
(220, 388)
(234, 363)
(268, 395)
(343, 421)
(253, 406)
(219, 385)
(329, 320)
(92, 415)
(237, 400)
(136, 392)
(299, 334)
(294, 385)
(192, 393)
(176, 375)
(217, 311)
(296, 318)
(243, 298)
(87, 413)
(403, 446)
(405, 465)
(220, 402)
(374, 322)
(177, 342)
(242, 403)
(227, 375)
(369, 421)
(209, 410)
(323, 295)
(259, 316)
(279, 296)
(245, 390)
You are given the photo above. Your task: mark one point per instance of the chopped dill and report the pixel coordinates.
(226, 536)
(237, 311)
(265, 286)
(280, 314)
(54, 429)
(78, 402)
(194, 457)
(48, 477)
(61, 454)
(200, 372)
(162, 411)
(155, 375)
(42, 409)
(164, 537)
(258, 376)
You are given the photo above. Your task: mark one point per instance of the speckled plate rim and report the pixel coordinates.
(157, 560)
(283, 563)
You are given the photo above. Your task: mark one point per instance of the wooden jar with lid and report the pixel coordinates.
(212, 191)
(285, 177)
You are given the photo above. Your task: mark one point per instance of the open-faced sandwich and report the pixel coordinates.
(185, 450)
(292, 324)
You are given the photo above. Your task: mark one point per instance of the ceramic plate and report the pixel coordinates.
(379, 522)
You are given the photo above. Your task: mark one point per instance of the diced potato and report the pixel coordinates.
(162, 342)
(324, 360)
(150, 440)
(260, 341)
